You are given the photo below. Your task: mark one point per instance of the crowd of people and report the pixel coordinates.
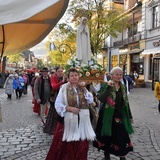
(64, 106)
(17, 81)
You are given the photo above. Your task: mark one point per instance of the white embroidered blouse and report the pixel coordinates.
(61, 100)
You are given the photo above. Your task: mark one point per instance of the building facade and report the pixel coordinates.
(137, 47)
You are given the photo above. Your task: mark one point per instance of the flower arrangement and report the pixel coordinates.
(86, 70)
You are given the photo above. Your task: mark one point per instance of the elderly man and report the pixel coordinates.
(42, 91)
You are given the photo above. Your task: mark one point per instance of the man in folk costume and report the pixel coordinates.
(74, 129)
(42, 91)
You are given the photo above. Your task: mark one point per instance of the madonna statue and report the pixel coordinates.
(83, 51)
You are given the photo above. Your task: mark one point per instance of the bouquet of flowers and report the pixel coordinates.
(85, 70)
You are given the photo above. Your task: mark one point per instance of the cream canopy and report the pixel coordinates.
(25, 23)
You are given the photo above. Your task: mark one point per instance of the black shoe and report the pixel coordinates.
(107, 157)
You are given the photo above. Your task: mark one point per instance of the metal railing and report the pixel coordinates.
(127, 41)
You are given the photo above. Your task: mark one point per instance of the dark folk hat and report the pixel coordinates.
(45, 69)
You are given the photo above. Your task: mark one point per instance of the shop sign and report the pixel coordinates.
(156, 44)
(134, 46)
(157, 55)
(123, 50)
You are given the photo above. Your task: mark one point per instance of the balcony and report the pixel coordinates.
(127, 41)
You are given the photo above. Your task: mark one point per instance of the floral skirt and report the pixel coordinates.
(51, 120)
(62, 150)
(119, 143)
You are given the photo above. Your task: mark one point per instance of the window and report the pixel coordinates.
(132, 30)
(155, 17)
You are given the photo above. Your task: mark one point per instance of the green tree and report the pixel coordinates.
(64, 46)
(40, 64)
(103, 19)
(15, 58)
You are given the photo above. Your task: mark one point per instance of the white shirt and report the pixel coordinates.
(61, 100)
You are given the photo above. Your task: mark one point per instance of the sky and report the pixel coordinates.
(39, 50)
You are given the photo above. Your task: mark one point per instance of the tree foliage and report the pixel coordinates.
(63, 45)
(103, 19)
(15, 57)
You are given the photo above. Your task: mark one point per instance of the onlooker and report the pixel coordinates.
(130, 82)
(26, 82)
(107, 77)
(8, 85)
(18, 84)
(73, 128)
(131, 75)
(135, 75)
(52, 73)
(115, 118)
(157, 93)
(42, 92)
(125, 82)
(56, 81)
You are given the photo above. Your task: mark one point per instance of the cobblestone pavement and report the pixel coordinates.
(22, 138)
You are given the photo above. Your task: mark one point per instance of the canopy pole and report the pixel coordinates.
(3, 42)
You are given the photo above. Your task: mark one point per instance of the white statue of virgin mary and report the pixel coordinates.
(83, 49)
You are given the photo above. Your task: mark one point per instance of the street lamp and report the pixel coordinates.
(63, 50)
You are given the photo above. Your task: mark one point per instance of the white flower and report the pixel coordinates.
(84, 65)
(70, 62)
(75, 58)
(77, 63)
(95, 66)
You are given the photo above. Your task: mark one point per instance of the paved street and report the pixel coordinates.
(21, 136)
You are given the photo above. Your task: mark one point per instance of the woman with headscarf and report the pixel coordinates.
(115, 118)
(36, 107)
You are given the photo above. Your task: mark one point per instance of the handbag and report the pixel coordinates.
(22, 84)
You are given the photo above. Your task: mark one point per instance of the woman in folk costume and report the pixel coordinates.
(115, 118)
(57, 79)
(74, 129)
(157, 93)
(83, 50)
(36, 107)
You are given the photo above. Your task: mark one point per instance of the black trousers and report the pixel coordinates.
(9, 96)
(18, 93)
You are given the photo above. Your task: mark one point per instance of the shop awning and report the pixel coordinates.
(151, 51)
(25, 23)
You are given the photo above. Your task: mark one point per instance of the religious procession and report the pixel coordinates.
(80, 110)
(68, 105)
